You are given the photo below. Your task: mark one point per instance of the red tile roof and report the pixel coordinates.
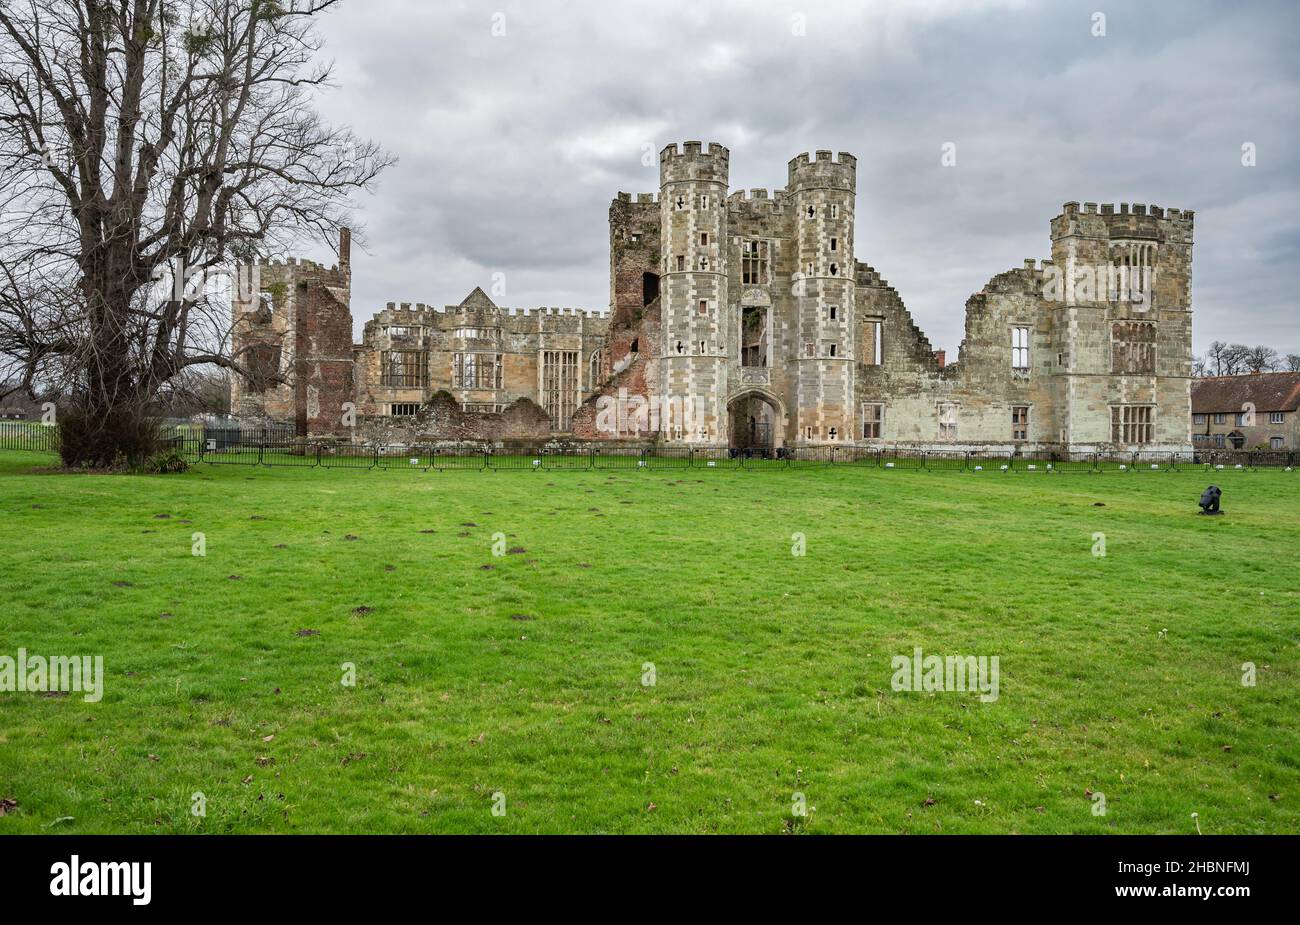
(1228, 394)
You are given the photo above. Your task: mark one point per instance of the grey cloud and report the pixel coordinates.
(511, 148)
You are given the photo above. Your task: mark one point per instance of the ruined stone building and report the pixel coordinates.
(747, 319)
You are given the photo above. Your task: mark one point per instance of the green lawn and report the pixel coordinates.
(521, 674)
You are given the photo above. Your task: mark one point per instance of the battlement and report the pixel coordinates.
(1137, 209)
(756, 199)
(640, 198)
(295, 263)
(692, 162)
(693, 149)
(474, 316)
(821, 169)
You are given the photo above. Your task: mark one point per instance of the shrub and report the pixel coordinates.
(167, 462)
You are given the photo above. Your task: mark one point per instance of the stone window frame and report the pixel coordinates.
(1276, 443)
(1020, 421)
(950, 428)
(1277, 417)
(877, 342)
(835, 210)
(1132, 424)
(407, 373)
(408, 409)
(1198, 418)
(1021, 348)
(471, 375)
(755, 262)
(559, 382)
(1220, 417)
(874, 419)
(1122, 351)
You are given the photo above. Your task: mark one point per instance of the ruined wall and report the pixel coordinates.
(513, 338)
(292, 329)
(733, 310)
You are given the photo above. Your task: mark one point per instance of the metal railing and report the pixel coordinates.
(279, 448)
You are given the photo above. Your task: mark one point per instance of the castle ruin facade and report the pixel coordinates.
(747, 320)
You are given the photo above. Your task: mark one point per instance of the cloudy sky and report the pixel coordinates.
(511, 146)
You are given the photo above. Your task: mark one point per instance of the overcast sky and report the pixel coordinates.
(512, 146)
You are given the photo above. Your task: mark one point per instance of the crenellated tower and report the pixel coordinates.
(822, 190)
(693, 292)
(1120, 288)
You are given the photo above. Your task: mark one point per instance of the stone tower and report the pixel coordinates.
(292, 329)
(693, 292)
(1121, 294)
(822, 192)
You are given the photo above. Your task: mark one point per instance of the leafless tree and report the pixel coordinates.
(1292, 362)
(142, 142)
(1261, 359)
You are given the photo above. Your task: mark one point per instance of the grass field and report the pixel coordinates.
(522, 674)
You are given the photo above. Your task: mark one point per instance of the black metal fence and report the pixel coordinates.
(279, 448)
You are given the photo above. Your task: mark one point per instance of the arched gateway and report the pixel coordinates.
(755, 421)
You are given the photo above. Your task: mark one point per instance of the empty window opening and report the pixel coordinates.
(873, 420)
(476, 370)
(753, 336)
(649, 288)
(405, 369)
(753, 263)
(1020, 422)
(559, 386)
(873, 350)
(1132, 424)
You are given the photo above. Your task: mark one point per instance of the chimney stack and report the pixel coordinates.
(939, 357)
(345, 250)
